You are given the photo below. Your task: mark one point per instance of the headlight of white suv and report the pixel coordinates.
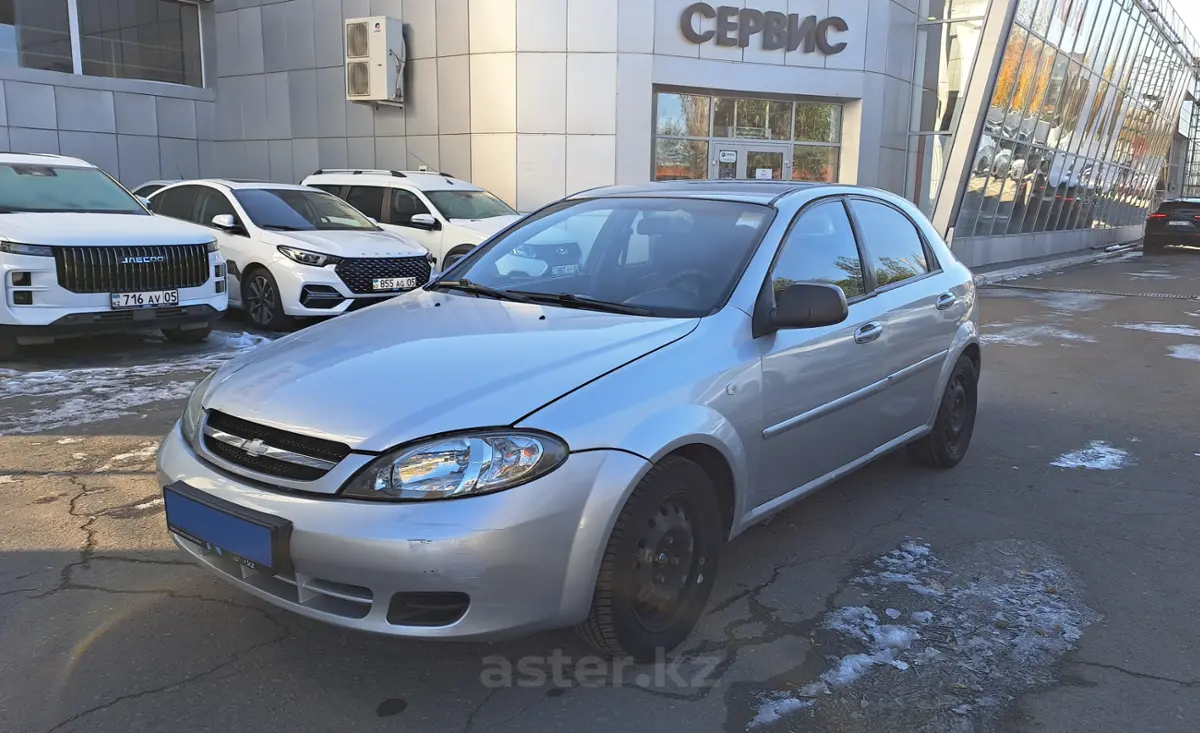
(459, 465)
(304, 257)
(193, 412)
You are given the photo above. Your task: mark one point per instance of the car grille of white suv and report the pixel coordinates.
(358, 273)
(131, 269)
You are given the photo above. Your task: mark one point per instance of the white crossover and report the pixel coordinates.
(445, 215)
(79, 254)
(294, 251)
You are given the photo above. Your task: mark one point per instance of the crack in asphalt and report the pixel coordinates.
(471, 718)
(1132, 673)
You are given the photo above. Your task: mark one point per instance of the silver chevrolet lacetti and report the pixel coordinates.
(512, 449)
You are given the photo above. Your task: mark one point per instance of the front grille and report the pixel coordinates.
(326, 450)
(358, 273)
(131, 269)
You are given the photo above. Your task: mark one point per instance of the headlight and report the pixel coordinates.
(193, 412)
(304, 257)
(211, 246)
(35, 250)
(459, 465)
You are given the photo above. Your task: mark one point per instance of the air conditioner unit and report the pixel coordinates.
(375, 58)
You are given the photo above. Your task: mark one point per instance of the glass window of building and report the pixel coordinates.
(35, 34)
(738, 137)
(157, 40)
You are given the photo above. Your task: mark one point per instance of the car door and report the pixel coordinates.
(236, 246)
(922, 310)
(822, 387)
(402, 206)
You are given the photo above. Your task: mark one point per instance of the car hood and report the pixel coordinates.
(429, 363)
(100, 230)
(485, 228)
(348, 243)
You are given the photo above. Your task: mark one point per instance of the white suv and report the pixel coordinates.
(79, 254)
(445, 215)
(295, 251)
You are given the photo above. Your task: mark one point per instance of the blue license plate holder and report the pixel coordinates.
(251, 538)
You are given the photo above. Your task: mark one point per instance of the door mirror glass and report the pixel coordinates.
(225, 222)
(425, 221)
(809, 305)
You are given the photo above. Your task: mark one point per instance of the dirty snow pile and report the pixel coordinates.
(1033, 336)
(934, 643)
(56, 398)
(1097, 456)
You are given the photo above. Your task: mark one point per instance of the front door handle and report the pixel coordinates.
(946, 300)
(868, 332)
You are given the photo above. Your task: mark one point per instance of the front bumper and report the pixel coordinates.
(526, 558)
(315, 292)
(95, 323)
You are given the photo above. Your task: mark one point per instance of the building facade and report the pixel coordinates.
(1022, 127)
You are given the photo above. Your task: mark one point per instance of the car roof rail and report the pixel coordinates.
(360, 171)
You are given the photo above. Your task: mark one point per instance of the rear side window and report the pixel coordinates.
(178, 203)
(147, 189)
(327, 188)
(367, 199)
(820, 248)
(896, 251)
(1180, 208)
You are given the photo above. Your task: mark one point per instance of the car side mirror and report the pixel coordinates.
(145, 201)
(425, 221)
(799, 305)
(226, 222)
(373, 220)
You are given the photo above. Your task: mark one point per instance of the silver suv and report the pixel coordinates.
(509, 450)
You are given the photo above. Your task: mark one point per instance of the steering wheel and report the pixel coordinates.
(704, 277)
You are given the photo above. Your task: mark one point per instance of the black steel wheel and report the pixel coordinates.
(946, 445)
(260, 299)
(659, 564)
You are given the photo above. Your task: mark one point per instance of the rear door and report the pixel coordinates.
(921, 311)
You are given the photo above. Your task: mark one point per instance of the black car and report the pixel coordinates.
(1176, 222)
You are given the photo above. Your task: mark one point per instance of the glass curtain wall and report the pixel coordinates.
(948, 36)
(1080, 122)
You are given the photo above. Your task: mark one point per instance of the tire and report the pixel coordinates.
(946, 445)
(455, 255)
(261, 301)
(666, 542)
(8, 345)
(189, 336)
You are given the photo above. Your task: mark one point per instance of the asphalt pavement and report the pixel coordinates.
(1046, 584)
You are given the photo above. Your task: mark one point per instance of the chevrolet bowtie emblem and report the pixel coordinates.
(254, 447)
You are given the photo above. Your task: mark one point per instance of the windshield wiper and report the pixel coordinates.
(467, 286)
(283, 228)
(569, 300)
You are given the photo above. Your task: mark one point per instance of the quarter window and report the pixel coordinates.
(895, 247)
(367, 199)
(821, 248)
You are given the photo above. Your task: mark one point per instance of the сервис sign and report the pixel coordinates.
(735, 26)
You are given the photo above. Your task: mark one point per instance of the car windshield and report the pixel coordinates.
(678, 258)
(468, 204)
(38, 188)
(290, 209)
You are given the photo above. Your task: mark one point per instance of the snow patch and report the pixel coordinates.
(7, 480)
(1154, 274)
(1098, 456)
(921, 617)
(149, 504)
(58, 398)
(79, 456)
(774, 707)
(68, 441)
(1034, 336)
(147, 452)
(1188, 352)
(1173, 330)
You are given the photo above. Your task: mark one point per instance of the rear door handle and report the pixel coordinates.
(868, 332)
(946, 300)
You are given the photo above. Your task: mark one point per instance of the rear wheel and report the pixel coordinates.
(947, 444)
(659, 565)
(187, 336)
(260, 298)
(1154, 248)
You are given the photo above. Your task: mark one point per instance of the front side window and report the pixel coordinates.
(897, 253)
(406, 205)
(667, 257)
(213, 203)
(468, 204)
(35, 34)
(38, 188)
(821, 248)
(293, 209)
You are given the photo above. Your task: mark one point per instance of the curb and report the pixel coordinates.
(1015, 273)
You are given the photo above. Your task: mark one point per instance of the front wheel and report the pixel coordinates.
(659, 565)
(261, 299)
(946, 445)
(454, 255)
